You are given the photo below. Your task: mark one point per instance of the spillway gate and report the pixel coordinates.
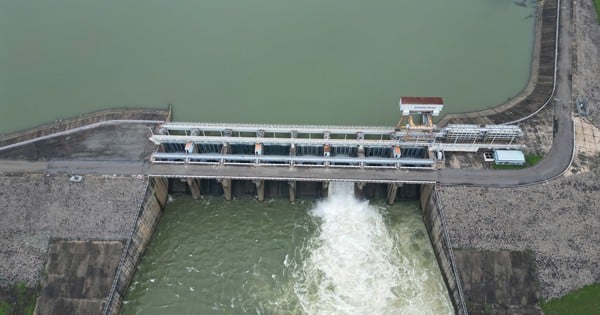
(322, 146)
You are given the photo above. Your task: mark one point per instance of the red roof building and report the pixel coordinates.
(432, 105)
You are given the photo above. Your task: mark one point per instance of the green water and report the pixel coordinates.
(281, 61)
(338, 256)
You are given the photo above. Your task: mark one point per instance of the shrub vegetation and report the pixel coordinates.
(583, 301)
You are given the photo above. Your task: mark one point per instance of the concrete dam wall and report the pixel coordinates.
(84, 120)
(157, 194)
(148, 218)
(433, 216)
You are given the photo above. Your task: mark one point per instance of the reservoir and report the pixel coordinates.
(265, 61)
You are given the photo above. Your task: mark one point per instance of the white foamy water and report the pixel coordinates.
(355, 265)
(244, 257)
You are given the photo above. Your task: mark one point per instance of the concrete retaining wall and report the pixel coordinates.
(434, 222)
(85, 119)
(148, 218)
(498, 281)
(78, 276)
(156, 197)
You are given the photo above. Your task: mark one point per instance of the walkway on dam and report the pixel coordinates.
(371, 175)
(137, 168)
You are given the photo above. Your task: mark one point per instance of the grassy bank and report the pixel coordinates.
(530, 160)
(17, 299)
(597, 5)
(583, 301)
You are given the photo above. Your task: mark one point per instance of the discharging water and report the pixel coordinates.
(268, 61)
(338, 256)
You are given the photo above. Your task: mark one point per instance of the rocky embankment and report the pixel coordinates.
(586, 76)
(558, 221)
(36, 208)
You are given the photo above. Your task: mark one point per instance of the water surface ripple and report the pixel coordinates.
(338, 256)
(267, 61)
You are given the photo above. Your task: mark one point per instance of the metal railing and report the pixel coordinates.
(448, 246)
(246, 159)
(110, 300)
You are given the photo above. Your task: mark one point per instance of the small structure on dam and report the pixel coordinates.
(426, 107)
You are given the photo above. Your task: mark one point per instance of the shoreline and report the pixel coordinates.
(554, 220)
(538, 81)
(484, 116)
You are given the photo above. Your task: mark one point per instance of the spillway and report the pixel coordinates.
(338, 255)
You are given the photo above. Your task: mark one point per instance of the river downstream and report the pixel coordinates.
(336, 256)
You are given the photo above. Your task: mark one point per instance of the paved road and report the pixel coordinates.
(372, 175)
(559, 156)
(11, 166)
(136, 168)
(92, 167)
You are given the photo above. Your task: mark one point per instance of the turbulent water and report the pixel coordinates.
(340, 255)
(357, 263)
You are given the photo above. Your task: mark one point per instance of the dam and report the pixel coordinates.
(297, 274)
(218, 167)
(296, 153)
(236, 161)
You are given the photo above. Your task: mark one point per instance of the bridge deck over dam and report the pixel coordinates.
(299, 147)
(262, 154)
(283, 173)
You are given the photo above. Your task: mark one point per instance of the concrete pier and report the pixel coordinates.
(226, 184)
(260, 189)
(358, 189)
(194, 186)
(292, 190)
(391, 192)
(324, 189)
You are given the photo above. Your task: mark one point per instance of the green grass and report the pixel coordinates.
(5, 308)
(597, 5)
(583, 301)
(530, 160)
(21, 300)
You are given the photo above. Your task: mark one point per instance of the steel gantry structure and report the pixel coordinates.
(321, 146)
